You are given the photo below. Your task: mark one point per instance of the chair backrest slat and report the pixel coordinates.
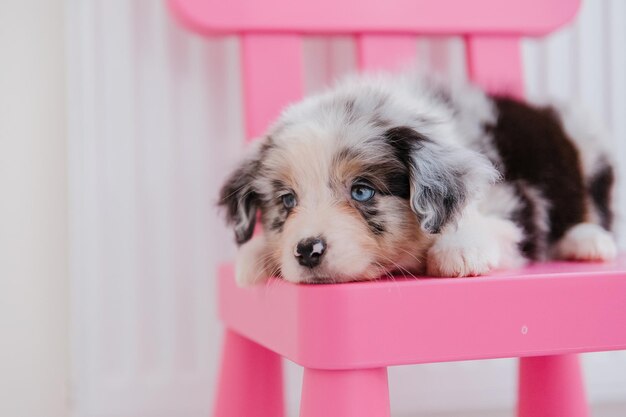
(495, 63)
(272, 77)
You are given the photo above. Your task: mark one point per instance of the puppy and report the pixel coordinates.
(398, 174)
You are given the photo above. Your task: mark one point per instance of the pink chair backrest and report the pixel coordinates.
(271, 35)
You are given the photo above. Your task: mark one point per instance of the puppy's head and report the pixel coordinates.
(350, 186)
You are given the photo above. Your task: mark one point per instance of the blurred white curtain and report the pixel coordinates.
(155, 124)
(34, 282)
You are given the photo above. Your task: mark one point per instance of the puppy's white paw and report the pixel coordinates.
(250, 263)
(586, 242)
(475, 248)
(457, 260)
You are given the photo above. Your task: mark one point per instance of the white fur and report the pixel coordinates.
(586, 242)
(590, 136)
(478, 245)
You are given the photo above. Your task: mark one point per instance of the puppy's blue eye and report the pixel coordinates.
(362, 193)
(289, 200)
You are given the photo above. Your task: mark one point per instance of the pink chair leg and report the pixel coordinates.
(352, 393)
(551, 386)
(250, 382)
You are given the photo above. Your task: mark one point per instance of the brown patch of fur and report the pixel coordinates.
(534, 148)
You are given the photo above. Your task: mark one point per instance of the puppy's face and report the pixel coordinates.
(345, 192)
(335, 209)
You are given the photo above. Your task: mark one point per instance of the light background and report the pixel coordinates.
(154, 125)
(34, 290)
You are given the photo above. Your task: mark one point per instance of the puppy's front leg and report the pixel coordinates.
(475, 246)
(252, 265)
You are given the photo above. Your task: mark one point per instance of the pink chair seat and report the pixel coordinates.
(346, 335)
(543, 309)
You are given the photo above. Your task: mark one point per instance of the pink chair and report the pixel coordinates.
(346, 335)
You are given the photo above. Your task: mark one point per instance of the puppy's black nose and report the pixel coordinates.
(309, 251)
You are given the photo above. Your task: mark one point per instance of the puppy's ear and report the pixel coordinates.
(443, 177)
(239, 197)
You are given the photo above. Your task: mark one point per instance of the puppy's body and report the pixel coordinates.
(396, 174)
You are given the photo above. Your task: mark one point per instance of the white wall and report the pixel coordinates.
(34, 282)
(155, 122)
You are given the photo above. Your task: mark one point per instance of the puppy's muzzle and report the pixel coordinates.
(309, 251)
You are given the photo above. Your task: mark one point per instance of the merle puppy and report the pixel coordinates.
(386, 174)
